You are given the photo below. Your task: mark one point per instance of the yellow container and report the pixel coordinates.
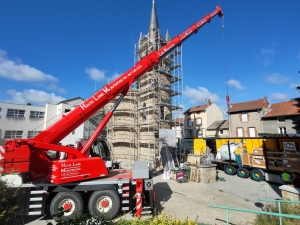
(199, 146)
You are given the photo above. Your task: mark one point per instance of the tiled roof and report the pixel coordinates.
(196, 109)
(219, 124)
(247, 106)
(178, 120)
(282, 109)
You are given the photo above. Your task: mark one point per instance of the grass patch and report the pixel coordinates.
(286, 208)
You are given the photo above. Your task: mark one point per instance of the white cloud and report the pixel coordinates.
(34, 96)
(199, 95)
(279, 97)
(276, 78)
(265, 51)
(265, 56)
(20, 72)
(54, 87)
(236, 84)
(95, 74)
(115, 75)
(293, 86)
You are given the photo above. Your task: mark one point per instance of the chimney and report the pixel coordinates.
(208, 102)
(265, 102)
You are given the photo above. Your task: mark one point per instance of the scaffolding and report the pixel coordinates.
(160, 97)
(92, 123)
(122, 132)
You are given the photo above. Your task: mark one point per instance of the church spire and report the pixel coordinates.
(167, 36)
(153, 28)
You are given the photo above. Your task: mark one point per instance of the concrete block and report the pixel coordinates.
(290, 193)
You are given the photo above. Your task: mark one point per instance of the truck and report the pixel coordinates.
(75, 178)
(262, 158)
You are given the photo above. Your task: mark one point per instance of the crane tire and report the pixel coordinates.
(71, 201)
(230, 170)
(105, 203)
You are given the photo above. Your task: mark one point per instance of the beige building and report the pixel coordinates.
(219, 128)
(245, 118)
(198, 118)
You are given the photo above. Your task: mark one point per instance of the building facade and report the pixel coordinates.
(280, 119)
(244, 118)
(198, 118)
(218, 128)
(20, 121)
(26, 121)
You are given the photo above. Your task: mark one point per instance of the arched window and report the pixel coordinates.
(199, 133)
(189, 134)
(189, 122)
(199, 121)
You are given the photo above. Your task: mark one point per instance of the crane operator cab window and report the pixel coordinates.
(101, 149)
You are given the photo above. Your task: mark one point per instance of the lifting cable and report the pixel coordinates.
(225, 71)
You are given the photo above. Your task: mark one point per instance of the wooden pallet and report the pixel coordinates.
(195, 174)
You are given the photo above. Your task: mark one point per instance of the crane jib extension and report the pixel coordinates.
(29, 155)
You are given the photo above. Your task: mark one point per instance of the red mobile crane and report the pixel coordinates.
(66, 182)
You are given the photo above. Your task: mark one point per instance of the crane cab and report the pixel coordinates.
(100, 148)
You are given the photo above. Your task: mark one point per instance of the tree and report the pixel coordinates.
(8, 204)
(296, 121)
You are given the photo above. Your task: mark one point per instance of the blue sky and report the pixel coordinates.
(56, 50)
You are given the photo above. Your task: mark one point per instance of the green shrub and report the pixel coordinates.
(86, 219)
(286, 208)
(8, 204)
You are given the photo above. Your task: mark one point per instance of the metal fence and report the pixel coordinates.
(279, 214)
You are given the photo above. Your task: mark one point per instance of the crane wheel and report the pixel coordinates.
(104, 203)
(71, 202)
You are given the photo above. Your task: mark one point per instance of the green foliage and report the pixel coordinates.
(83, 219)
(8, 204)
(86, 219)
(286, 208)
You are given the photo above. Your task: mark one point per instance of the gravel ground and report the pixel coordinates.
(191, 200)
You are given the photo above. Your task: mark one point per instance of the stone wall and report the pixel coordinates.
(204, 173)
(208, 173)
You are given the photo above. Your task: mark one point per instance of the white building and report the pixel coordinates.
(26, 121)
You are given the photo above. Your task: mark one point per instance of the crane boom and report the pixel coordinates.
(29, 155)
(70, 122)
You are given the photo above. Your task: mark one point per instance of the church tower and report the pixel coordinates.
(159, 91)
(151, 105)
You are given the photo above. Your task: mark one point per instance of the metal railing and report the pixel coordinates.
(279, 214)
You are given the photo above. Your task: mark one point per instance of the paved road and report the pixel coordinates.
(191, 199)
